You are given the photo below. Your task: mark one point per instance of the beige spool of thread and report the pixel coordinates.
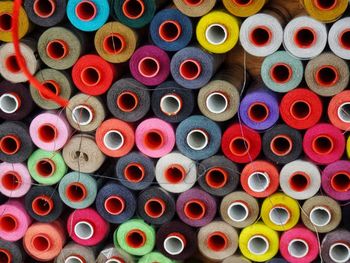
(236, 259)
(322, 214)
(82, 154)
(195, 8)
(115, 42)
(219, 99)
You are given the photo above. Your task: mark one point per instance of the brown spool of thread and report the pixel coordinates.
(194, 8)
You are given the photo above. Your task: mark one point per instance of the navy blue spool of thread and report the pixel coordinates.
(156, 206)
(171, 30)
(192, 67)
(115, 203)
(135, 171)
(277, 260)
(171, 102)
(11, 252)
(198, 137)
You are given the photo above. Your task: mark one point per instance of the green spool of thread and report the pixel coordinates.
(135, 237)
(46, 167)
(155, 257)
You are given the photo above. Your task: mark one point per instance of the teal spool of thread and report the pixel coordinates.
(155, 257)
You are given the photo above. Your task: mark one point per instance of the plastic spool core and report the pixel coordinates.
(114, 204)
(341, 181)
(135, 238)
(133, 9)
(216, 177)
(127, 101)
(82, 115)
(174, 245)
(169, 30)
(327, 76)
(12, 65)
(154, 139)
(300, 110)
(134, 172)
(239, 146)
(52, 86)
(325, 5)
(114, 43)
(322, 145)
(42, 205)
(148, 67)
(115, 260)
(298, 248)
(281, 73)
(344, 39)
(44, 8)
(197, 139)
(258, 182)
(216, 34)
(216, 102)
(195, 209)
(8, 223)
(260, 36)
(320, 216)
(41, 243)
(57, 49)
(343, 112)
(113, 140)
(9, 103)
(45, 167)
(175, 173)
(217, 241)
(193, 2)
(76, 192)
(155, 207)
(238, 211)
(190, 69)
(5, 22)
(84, 230)
(242, 2)
(279, 215)
(170, 104)
(258, 245)
(10, 144)
(90, 76)
(305, 37)
(281, 145)
(11, 180)
(258, 112)
(299, 181)
(73, 259)
(47, 132)
(86, 10)
(5, 256)
(339, 252)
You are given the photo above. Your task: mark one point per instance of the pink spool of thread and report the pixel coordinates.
(15, 180)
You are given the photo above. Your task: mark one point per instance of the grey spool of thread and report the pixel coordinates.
(60, 47)
(335, 247)
(59, 82)
(219, 99)
(74, 253)
(14, 252)
(85, 113)
(111, 254)
(236, 259)
(327, 74)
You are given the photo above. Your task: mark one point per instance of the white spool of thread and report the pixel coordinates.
(339, 38)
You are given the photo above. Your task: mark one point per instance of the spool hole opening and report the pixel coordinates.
(135, 238)
(57, 49)
(216, 34)
(76, 192)
(174, 245)
(170, 104)
(45, 167)
(217, 102)
(322, 145)
(42, 205)
(298, 248)
(154, 139)
(281, 73)
(339, 252)
(8, 223)
(197, 140)
(170, 30)
(258, 181)
(299, 181)
(86, 10)
(239, 146)
(175, 174)
(320, 216)
(217, 241)
(190, 69)
(341, 181)
(300, 110)
(114, 205)
(238, 212)
(52, 86)
(44, 8)
(90, 76)
(345, 39)
(41, 243)
(82, 115)
(12, 65)
(9, 103)
(155, 208)
(325, 5)
(5, 256)
(5, 22)
(47, 133)
(127, 101)
(281, 145)
(258, 245)
(73, 259)
(134, 172)
(149, 67)
(10, 144)
(260, 36)
(327, 76)
(114, 43)
(242, 2)
(305, 37)
(84, 230)
(193, 2)
(11, 181)
(195, 209)
(216, 178)
(258, 112)
(279, 216)
(344, 112)
(113, 140)
(133, 9)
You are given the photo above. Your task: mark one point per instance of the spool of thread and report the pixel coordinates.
(219, 99)
(154, 137)
(195, 8)
(155, 206)
(150, 65)
(258, 242)
(85, 113)
(15, 142)
(348, 148)
(327, 74)
(300, 179)
(82, 154)
(324, 143)
(335, 246)
(15, 180)
(114, 254)
(321, 214)
(46, 168)
(195, 207)
(115, 42)
(86, 227)
(259, 108)
(43, 204)
(59, 82)
(239, 209)
(154, 257)
(49, 131)
(301, 108)
(171, 102)
(198, 137)
(192, 67)
(237, 143)
(338, 38)
(305, 37)
(11, 252)
(128, 100)
(6, 8)
(176, 240)
(282, 72)
(135, 237)
(93, 75)
(260, 178)
(135, 171)
(14, 220)
(339, 110)
(44, 241)
(176, 173)
(77, 190)
(299, 245)
(15, 101)
(115, 138)
(325, 11)
(115, 203)
(218, 31)
(60, 47)
(9, 67)
(345, 215)
(336, 180)
(236, 259)
(88, 15)
(217, 240)
(73, 253)
(218, 175)
(244, 8)
(277, 260)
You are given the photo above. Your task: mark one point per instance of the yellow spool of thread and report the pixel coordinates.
(6, 10)
(258, 242)
(218, 31)
(244, 8)
(325, 11)
(280, 212)
(348, 148)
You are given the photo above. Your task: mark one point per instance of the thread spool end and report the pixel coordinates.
(305, 37)
(327, 76)
(84, 230)
(339, 252)
(281, 145)
(11, 180)
(344, 39)
(298, 248)
(114, 43)
(197, 139)
(153, 139)
(299, 181)
(216, 177)
(258, 245)
(170, 104)
(47, 133)
(260, 36)
(175, 173)
(133, 9)
(52, 86)
(281, 73)
(243, 3)
(76, 192)
(322, 145)
(343, 112)
(114, 205)
(216, 34)
(325, 5)
(82, 115)
(258, 182)
(74, 259)
(10, 144)
(90, 76)
(42, 205)
(193, 2)
(300, 110)
(45, 167)
(320, 216)
(44, 8)
(5, 22)
(134, 172)
(155, 207)
(135, 238)
(217, 102)
(41, 242)
(57, 49)
(238, 211)
(258, 112)
(113, 140)
(174, 244)
(9, 103)
(340, 182)
(279, 215)
(190, 69)
(239, 146)
(8, 223)
(149, 67)
(170, 30)
(86, 10)
(127, 101)
(5, 256)
(217, 241)
(195, 209)
(12, 65)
